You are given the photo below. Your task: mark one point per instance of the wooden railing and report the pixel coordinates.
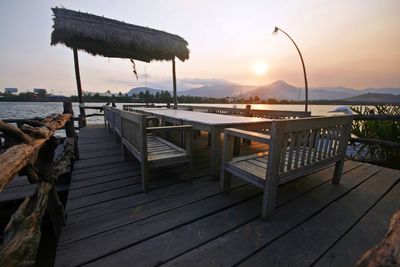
(245, 112)
(130, 107)
(248, 112)
(28, 149)
(377, 143)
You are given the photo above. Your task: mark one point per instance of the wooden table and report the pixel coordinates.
(209, 122)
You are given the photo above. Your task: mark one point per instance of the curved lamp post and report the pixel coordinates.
(302, 62)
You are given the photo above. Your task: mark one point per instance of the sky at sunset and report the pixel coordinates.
(351, 43)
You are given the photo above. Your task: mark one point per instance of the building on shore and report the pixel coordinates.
(40, 91)
(10, 90)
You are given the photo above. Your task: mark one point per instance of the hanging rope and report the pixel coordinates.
(134, 69)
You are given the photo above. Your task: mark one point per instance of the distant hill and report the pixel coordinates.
(282, 90)
(375, 98)
(279, 90)
(332, 93)
(393, 91)
(217, 90)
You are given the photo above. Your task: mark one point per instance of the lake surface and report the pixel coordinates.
(20, 110)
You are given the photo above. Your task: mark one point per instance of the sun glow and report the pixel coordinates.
(260, 68)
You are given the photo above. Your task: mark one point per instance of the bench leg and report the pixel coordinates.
(125, 153)
(337, 174)
(269, 198)
(225, 181)
(145, 177)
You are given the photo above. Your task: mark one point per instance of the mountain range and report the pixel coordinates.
(282, 90)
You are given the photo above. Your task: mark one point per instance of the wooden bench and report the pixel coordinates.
(108, 117)
(112, 120)
(151, 150)
(295, 148)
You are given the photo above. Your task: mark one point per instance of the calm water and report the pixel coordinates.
(18, 110)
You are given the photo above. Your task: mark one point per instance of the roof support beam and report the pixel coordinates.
(79, 87)
(174, 82)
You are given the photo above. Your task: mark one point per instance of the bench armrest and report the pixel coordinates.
(258, 137)
(168, 128)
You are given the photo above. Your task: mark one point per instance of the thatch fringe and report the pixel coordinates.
(111, 38)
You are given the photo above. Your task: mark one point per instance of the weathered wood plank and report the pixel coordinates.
(367, 233)
(187, 236)
(245, 240)
(188, 224)
(95, 171)
(72, 253)
(114, 206)
(138, 211)
(327, 227)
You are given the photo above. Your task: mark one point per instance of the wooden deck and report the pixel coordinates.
(111, 223)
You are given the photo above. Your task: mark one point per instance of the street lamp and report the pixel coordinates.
(302, 62)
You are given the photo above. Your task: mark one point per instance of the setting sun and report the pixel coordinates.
(260, 68)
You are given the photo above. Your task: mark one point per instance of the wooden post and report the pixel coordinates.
(247, 110)
(174, 82)
(247, 114)
(45, 168)
(70, 128)
(79, 87)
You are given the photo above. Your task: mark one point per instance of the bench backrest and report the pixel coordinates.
(133, 133)
(117, 121)
(299, 145)
(108, 116)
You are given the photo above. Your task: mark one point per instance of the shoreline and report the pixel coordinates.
(284, 102)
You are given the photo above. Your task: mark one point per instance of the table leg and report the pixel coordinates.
(236, 146)
(182, 138)
(215, 153)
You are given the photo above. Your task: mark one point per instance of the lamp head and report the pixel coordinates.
(275, 30)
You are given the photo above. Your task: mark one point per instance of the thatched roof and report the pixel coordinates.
(111, 38)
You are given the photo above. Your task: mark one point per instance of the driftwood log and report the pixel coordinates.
(18, 156)
(63, 163)
(22, 233)
(14, 133)
(31, 152)
(387, 252)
